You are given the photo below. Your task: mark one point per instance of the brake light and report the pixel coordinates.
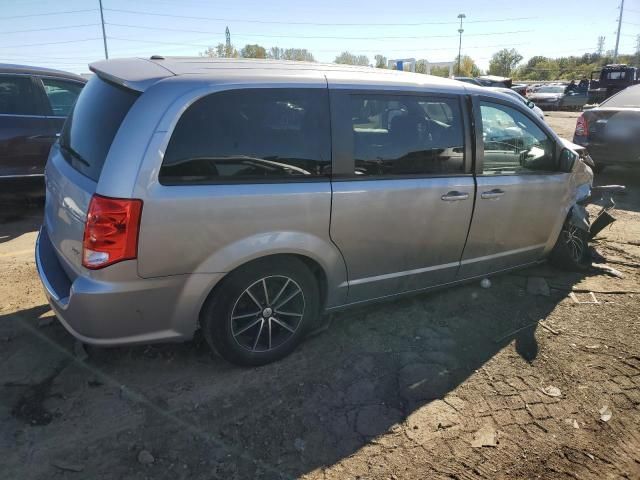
(582, 126)
(110, 231)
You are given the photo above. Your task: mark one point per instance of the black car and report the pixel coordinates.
(610, 132)
(34, 103)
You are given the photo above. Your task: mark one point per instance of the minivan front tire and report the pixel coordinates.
(262, 311)
(571, 251)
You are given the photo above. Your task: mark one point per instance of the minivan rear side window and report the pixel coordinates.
(93, 123)
(251, 135)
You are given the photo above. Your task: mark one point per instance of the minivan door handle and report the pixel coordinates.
(454, 196)
(495, 193)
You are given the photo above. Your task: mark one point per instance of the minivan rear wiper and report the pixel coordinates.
(74, 154)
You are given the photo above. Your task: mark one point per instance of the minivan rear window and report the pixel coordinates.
(90, 128)
(251, 135)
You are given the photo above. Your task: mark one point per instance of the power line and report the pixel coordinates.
(49, 43)
(50, 28)
(323, 37)
(332, 24)
(48, 13)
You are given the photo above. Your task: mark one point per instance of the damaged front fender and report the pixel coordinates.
(579, 217)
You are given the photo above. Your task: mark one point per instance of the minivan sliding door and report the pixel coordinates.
(402, 189)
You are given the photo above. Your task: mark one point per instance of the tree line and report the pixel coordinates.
(505, 62)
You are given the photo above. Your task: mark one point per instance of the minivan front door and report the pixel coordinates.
(402, 190)
(522, 198)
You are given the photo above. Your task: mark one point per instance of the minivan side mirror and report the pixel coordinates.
(567, 160)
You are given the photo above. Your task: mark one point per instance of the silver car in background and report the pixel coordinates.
(515, 95)
(245, 198)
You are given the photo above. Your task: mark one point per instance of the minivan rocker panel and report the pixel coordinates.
(273, 191)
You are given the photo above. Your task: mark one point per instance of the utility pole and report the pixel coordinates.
(460, 30)
(104, 35)
(600, 49)
(615, 52)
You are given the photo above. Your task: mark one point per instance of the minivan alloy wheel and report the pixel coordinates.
(267, 313)
(574, 243)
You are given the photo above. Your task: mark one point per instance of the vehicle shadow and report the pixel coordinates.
(372, 370)
(19, 217)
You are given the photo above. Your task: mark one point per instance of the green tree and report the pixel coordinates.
(220, 51)
(440, 71)
(504, 62)
(298, 54)
(349, 58)
(468, 67)
(253, 51)
(275, 53)
(381, 61)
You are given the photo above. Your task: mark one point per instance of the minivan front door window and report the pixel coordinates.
(513, 143)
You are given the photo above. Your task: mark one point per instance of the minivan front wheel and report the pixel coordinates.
(261, 312)
(571, 251)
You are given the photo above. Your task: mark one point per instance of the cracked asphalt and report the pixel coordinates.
(390, 391)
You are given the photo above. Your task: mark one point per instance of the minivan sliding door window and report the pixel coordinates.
(406, 135)
(251, 135)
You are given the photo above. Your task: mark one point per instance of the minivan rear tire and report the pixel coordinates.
(230, 325)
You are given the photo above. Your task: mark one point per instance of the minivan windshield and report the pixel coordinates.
(90, 128)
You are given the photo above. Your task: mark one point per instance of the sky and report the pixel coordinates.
(66, 34)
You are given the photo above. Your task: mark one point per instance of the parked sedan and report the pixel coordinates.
(34, 103)
(610, 131)
(555, 97)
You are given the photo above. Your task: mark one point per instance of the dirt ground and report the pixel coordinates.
(442, 385)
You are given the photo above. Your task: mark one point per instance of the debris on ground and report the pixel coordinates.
(607, 269)
(538, 286)
(79, 351)
(485, 283)
(573, 422)
(485, 437)
(68, 466)
(548, 328)
(145, 457)
(518, 330)
(551, 391)
(605, 413)
(590, 298)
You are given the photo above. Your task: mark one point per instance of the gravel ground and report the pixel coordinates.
(465, 383)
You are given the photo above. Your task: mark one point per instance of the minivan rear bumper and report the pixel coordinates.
(115, 313)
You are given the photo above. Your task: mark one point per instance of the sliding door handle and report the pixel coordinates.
(454, 196)
(495, 193)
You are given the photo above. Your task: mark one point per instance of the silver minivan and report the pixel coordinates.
(245, 198)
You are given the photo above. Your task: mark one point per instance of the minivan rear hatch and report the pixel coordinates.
(75, 164)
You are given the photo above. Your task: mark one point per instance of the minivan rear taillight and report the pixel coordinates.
(582, 126)
(110, 231)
